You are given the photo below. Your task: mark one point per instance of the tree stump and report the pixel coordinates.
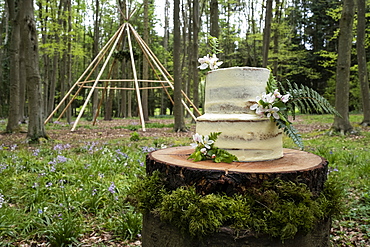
(209, 177)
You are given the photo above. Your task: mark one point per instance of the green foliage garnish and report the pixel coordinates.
(303, 98)
(306, 100)
(206, 150)
(214, 44)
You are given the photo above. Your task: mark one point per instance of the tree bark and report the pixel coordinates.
(361, 58)
(276, 38)
(3, 41)
(178, 108)
(144, 98)
(36, 128)
(95, 98)
(13, 116)
(196, 28)
(342, 124)
(164, 99)
(267, 33)
(69, 58)
(214, 19)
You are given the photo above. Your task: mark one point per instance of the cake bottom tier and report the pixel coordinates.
(247, 136)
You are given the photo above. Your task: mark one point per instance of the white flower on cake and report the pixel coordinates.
(197, 139)
(211, 62)
(269, 105)
(205, 149)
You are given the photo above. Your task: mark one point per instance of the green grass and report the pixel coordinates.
(60, 192)
(349, 162)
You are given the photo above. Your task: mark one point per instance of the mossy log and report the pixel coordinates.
(156, 233)
(209, 177)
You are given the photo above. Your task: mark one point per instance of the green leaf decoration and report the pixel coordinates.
(272, 84)
(214, 44)
(306, 100)
(303, 98)
(291, 132)
(211, 152)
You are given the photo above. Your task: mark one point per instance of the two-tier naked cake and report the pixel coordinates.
(229, 93)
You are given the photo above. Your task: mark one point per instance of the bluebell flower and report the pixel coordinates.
(112, 188)
(146, 149)
(61, 159)
(3, 167)
(36, 152)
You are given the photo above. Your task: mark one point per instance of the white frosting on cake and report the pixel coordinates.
(229, 93)
(233, 90)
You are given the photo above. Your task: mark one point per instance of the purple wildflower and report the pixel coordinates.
(36, 152)
(3, 167)
(112, 188)
(146, 149)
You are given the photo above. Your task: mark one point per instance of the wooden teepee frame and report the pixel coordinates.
(111, 46)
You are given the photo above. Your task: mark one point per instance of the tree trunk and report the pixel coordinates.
(36, 128)
(361, 57)
(95, 98)
(342, 124)
(178, 108)
(69, 57)
(214, 19)
(267, 34)
(144, 98)
(196, 27)
(46, 58)
(22, 82)
(13, 115)
(165, 47)
(3, 41)
(276, 39)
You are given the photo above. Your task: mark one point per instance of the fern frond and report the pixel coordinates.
(291, 132)
(307, 100)
(272, 84)
(214, 44)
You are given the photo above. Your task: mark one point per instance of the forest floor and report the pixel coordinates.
(117, 130)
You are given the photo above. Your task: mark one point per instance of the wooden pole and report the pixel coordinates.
(136, 81)
(150, 53)
(119, 33)
(79, 80)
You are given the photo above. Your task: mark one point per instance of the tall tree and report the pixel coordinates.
(178, 108)
(3, 41)
(196, 28)
(95, 98)
(214, 19)
(36, 128)
(13, 115)
(342, 124)
(361, 58)
(145, 94)
(267, 33)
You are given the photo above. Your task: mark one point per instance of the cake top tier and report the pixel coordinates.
(234, 90)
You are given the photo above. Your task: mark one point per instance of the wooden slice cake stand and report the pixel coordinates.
(209, 177)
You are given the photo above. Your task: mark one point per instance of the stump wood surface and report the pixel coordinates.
(237, 177)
